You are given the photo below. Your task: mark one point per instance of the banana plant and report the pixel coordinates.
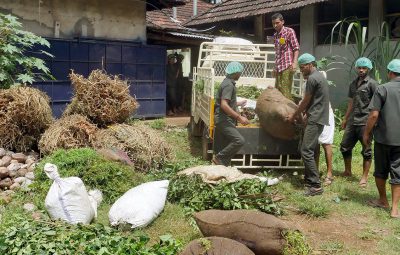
(386, 50)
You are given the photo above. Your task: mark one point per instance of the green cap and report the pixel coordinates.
(306, 58)
(234, 67)
(394, 66)
(364, 62)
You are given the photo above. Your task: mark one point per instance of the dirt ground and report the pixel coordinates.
(335, 230)
(181, 120)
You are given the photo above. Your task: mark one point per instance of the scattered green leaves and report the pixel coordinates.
(196, 195)
(296, 244)
(39, 237)
(249, 92)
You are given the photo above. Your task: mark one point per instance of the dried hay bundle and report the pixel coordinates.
(102, 98)
(143, 145)
(74, 131)
(24, 115)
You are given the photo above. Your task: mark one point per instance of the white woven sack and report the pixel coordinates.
(139, 206)
(67, 198)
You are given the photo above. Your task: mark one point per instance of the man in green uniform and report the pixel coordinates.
(227, 139)
(385, 113)
(360, 94)
(316, 106)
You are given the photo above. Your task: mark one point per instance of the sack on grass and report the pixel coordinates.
(260, 232)
(68, 199)
(216, 246)
(139, 206)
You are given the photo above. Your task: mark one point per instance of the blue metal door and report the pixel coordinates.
(142, 65)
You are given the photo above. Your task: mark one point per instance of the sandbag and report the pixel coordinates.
(139, 206)
(216, 246)
(68, 199)
(260, 232)
(272, 109)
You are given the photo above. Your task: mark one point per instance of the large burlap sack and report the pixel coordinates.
(272, 109)
(216, 246)
(260, 232)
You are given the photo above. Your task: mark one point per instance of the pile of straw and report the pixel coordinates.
(24, 115)
(74, 131)
(102, 98)
(144, 146)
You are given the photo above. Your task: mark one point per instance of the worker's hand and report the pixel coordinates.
(242, 103)
(344, 123)
(243, 120)
(293, 67)
(290, 118)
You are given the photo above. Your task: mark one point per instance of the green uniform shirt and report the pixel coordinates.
(386, 100)
(227, 90)
(318, 109)
(361, 95)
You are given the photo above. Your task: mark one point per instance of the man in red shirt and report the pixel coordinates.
(286, 54)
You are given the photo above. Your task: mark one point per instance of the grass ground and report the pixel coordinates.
(338, 222)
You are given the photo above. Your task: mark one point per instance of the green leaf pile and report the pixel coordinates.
(36, 237)
(196, 195)
(111, 178)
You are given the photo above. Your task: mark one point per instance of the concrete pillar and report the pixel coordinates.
(375, 17)
(308, 29)
(259, 24)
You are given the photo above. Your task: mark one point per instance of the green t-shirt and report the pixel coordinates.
(361, 95)
(386, 100)
(318, 109)
(227, 90)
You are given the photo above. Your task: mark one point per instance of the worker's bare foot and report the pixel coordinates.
(363, 183)
(378, 203)
(346, 174)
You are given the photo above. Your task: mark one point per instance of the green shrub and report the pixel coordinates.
(313, 208)
(15, 64)
(296, 244)
(196, 195)
(111, 178)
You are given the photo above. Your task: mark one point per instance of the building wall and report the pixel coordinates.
(340, 77)
(120, 19)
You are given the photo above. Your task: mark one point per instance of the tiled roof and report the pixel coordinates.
(161, 19)
(235, 9)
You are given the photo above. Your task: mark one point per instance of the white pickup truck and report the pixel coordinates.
(260, 150)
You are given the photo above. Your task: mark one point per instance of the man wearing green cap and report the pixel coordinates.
(360, 94)
(227, 139)
(316, 106)
(385, 114)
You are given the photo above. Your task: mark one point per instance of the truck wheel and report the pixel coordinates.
(206, 144)
(195, 129)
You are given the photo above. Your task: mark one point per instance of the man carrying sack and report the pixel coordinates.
(316, 106)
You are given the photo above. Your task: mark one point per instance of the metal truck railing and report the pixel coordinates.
(258, 61)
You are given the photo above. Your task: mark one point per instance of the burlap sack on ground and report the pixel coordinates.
(272, 109)
(216, 173)
(216, 246)
(260, 232)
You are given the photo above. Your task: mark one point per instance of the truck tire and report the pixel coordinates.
(206, 144)
(195, 129)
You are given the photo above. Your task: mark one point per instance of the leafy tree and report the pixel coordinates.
(17, 63)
